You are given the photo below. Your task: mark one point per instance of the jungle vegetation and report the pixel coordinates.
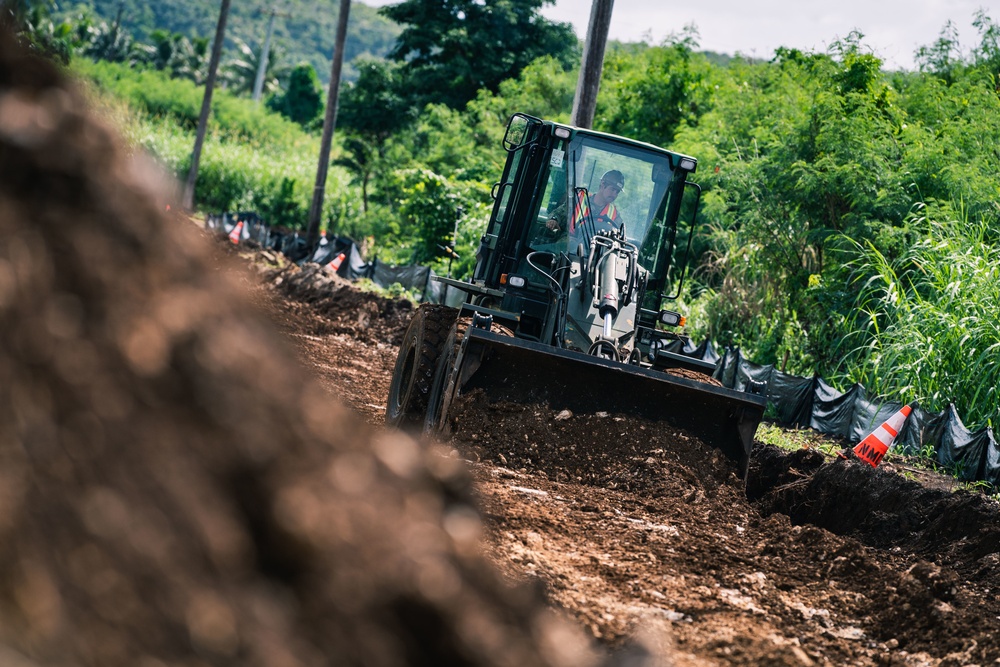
(850, 224)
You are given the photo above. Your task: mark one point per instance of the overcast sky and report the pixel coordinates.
(894, 29)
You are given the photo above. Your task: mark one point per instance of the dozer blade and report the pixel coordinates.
(519, 371)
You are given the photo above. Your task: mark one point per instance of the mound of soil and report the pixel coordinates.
(175, 488)
(601, 449)
(364, 315)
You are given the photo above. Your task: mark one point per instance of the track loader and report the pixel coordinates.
(565, 305)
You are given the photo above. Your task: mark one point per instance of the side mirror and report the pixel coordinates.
(517, 131)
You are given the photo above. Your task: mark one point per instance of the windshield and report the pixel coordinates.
(594, 185)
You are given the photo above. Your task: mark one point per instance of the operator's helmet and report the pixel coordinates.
(608, 219)
(613, 177)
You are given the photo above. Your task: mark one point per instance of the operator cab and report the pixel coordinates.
(547, 277)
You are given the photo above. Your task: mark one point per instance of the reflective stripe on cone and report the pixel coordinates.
(234, 235)
(873, 448)
(337, 261)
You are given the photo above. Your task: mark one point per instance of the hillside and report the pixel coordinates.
(304, 34)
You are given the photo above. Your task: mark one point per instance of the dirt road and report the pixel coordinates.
(820, 562)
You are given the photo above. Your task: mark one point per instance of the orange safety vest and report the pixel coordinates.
(583, 209)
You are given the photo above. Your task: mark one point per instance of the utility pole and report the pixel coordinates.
(587, 86)
(206, 106)
(329, 123)
(265, 54)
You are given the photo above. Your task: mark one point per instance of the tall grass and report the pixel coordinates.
(232, 174)
(251, 160)
(927, 326)
(158, 95)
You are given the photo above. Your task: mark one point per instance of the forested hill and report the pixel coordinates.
(303, 29)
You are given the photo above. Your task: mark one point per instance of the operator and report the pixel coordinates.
(600, 204)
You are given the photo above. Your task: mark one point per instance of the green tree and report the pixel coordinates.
(374, 106)
(987, 54)
(302, 102)
(184, 58)
(650, 93)
(428, 210)
(372, 110)
(794, 152)
(304, 35)
(284, 207)
(113, 42)
(943, 56)
(360, 158)
(451, 49)
(33, 22)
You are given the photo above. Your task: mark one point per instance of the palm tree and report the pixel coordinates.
(239, 74)
(184, 58)
(110, 43)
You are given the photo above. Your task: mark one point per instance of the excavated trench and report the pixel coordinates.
(881, 509)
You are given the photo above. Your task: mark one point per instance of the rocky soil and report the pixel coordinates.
(627, 526)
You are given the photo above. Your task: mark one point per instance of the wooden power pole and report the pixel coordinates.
(329, 124)
(589, 82)
(206, 106)
(265, 54)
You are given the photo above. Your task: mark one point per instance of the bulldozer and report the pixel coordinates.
(588, 238)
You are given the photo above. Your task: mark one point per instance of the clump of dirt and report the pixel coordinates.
(174, 487)
(689, 374)
(363, 315)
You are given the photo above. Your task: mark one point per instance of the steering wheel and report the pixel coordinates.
(604, 223)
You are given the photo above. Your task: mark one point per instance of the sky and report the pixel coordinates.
(893, 29)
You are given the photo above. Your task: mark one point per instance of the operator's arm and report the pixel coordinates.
(557, 218)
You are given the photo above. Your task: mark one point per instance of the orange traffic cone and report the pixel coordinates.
(335, 264)
(873, 448)
(234, 235)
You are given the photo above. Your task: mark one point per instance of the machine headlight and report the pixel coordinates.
(672, 319)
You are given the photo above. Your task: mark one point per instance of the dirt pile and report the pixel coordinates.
(947, 592)
(599, 449)
(363, 315)
(174, 488)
